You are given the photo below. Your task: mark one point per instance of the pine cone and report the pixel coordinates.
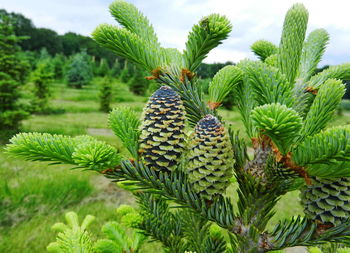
(162, 130)
(327, 200)
(210, 158)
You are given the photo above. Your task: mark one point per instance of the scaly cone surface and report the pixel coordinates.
(327, 200)
(210, 158)
(162, 130)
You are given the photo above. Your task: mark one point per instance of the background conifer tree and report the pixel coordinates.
(105, 94)
(79, 71)
(138, 84)
(13, 72)
(41, 78)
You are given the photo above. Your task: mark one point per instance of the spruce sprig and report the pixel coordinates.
(132, 19)
(205, 36)
(292, 40)
(341, 72)
(313, 50)
(223, 82)
(269, 85)
(328, 148)
(129, 45)
(280, 123)
(125, 125)
(264, 49)
(323, 107)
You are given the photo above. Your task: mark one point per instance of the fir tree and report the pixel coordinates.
(138, 84)
(13, 72)
(41, 77)
(79, 72)
(127, 72)
(180, 187)
(103, 69)
(105, 94)
(58, 63)
(116, 69)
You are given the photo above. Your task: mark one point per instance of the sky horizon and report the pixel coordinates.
(172, 20)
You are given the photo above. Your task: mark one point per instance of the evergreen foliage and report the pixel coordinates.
(263, 49)
(79, 72)
(58, 63)
(103, 69)
(13, 71)
(72, 237)
(41, 78)
(105, 94)
(222, 84)
(127, 72)
(116, 69)
(292, 40)
(180, 182)
(138, 84)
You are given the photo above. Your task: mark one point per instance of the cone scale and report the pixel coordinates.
(327, 201)
(210, 158)
(162, 130)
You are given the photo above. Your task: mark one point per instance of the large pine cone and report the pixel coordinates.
(327, 200)
(210, 158)
(162, 130)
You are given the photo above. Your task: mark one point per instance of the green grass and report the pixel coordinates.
(34, 196)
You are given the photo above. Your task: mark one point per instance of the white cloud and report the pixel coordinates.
(251, 19)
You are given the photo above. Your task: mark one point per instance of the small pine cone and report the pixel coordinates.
(327, 200)
(210, 158)
(162, 130)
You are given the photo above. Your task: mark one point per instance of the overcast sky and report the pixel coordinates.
(251, 19)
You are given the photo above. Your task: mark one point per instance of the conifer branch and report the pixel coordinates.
(72, 236)
(160, 223)
(96, 155)
(125, 125)
(327, 147)
(43, 147)
(129, 45)
(313, 51)
(269, 85)
(173, 58)
(341, 72)
(202, 236)
(292, 40)
(221, 85)
(272, 60)
(264, 49)
(300, 231)
(133, 20)
(245, 98)
(280, 123)
(175, 187)
(322, 109)
(81, 151)
(191, 95)
(205, 36)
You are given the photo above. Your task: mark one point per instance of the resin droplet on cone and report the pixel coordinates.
(210, 158)
(162, 130)
(327, 200)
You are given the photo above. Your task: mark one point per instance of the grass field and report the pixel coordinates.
(33, 196)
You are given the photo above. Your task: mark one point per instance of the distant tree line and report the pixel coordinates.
(67, 44)
(206, 70)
